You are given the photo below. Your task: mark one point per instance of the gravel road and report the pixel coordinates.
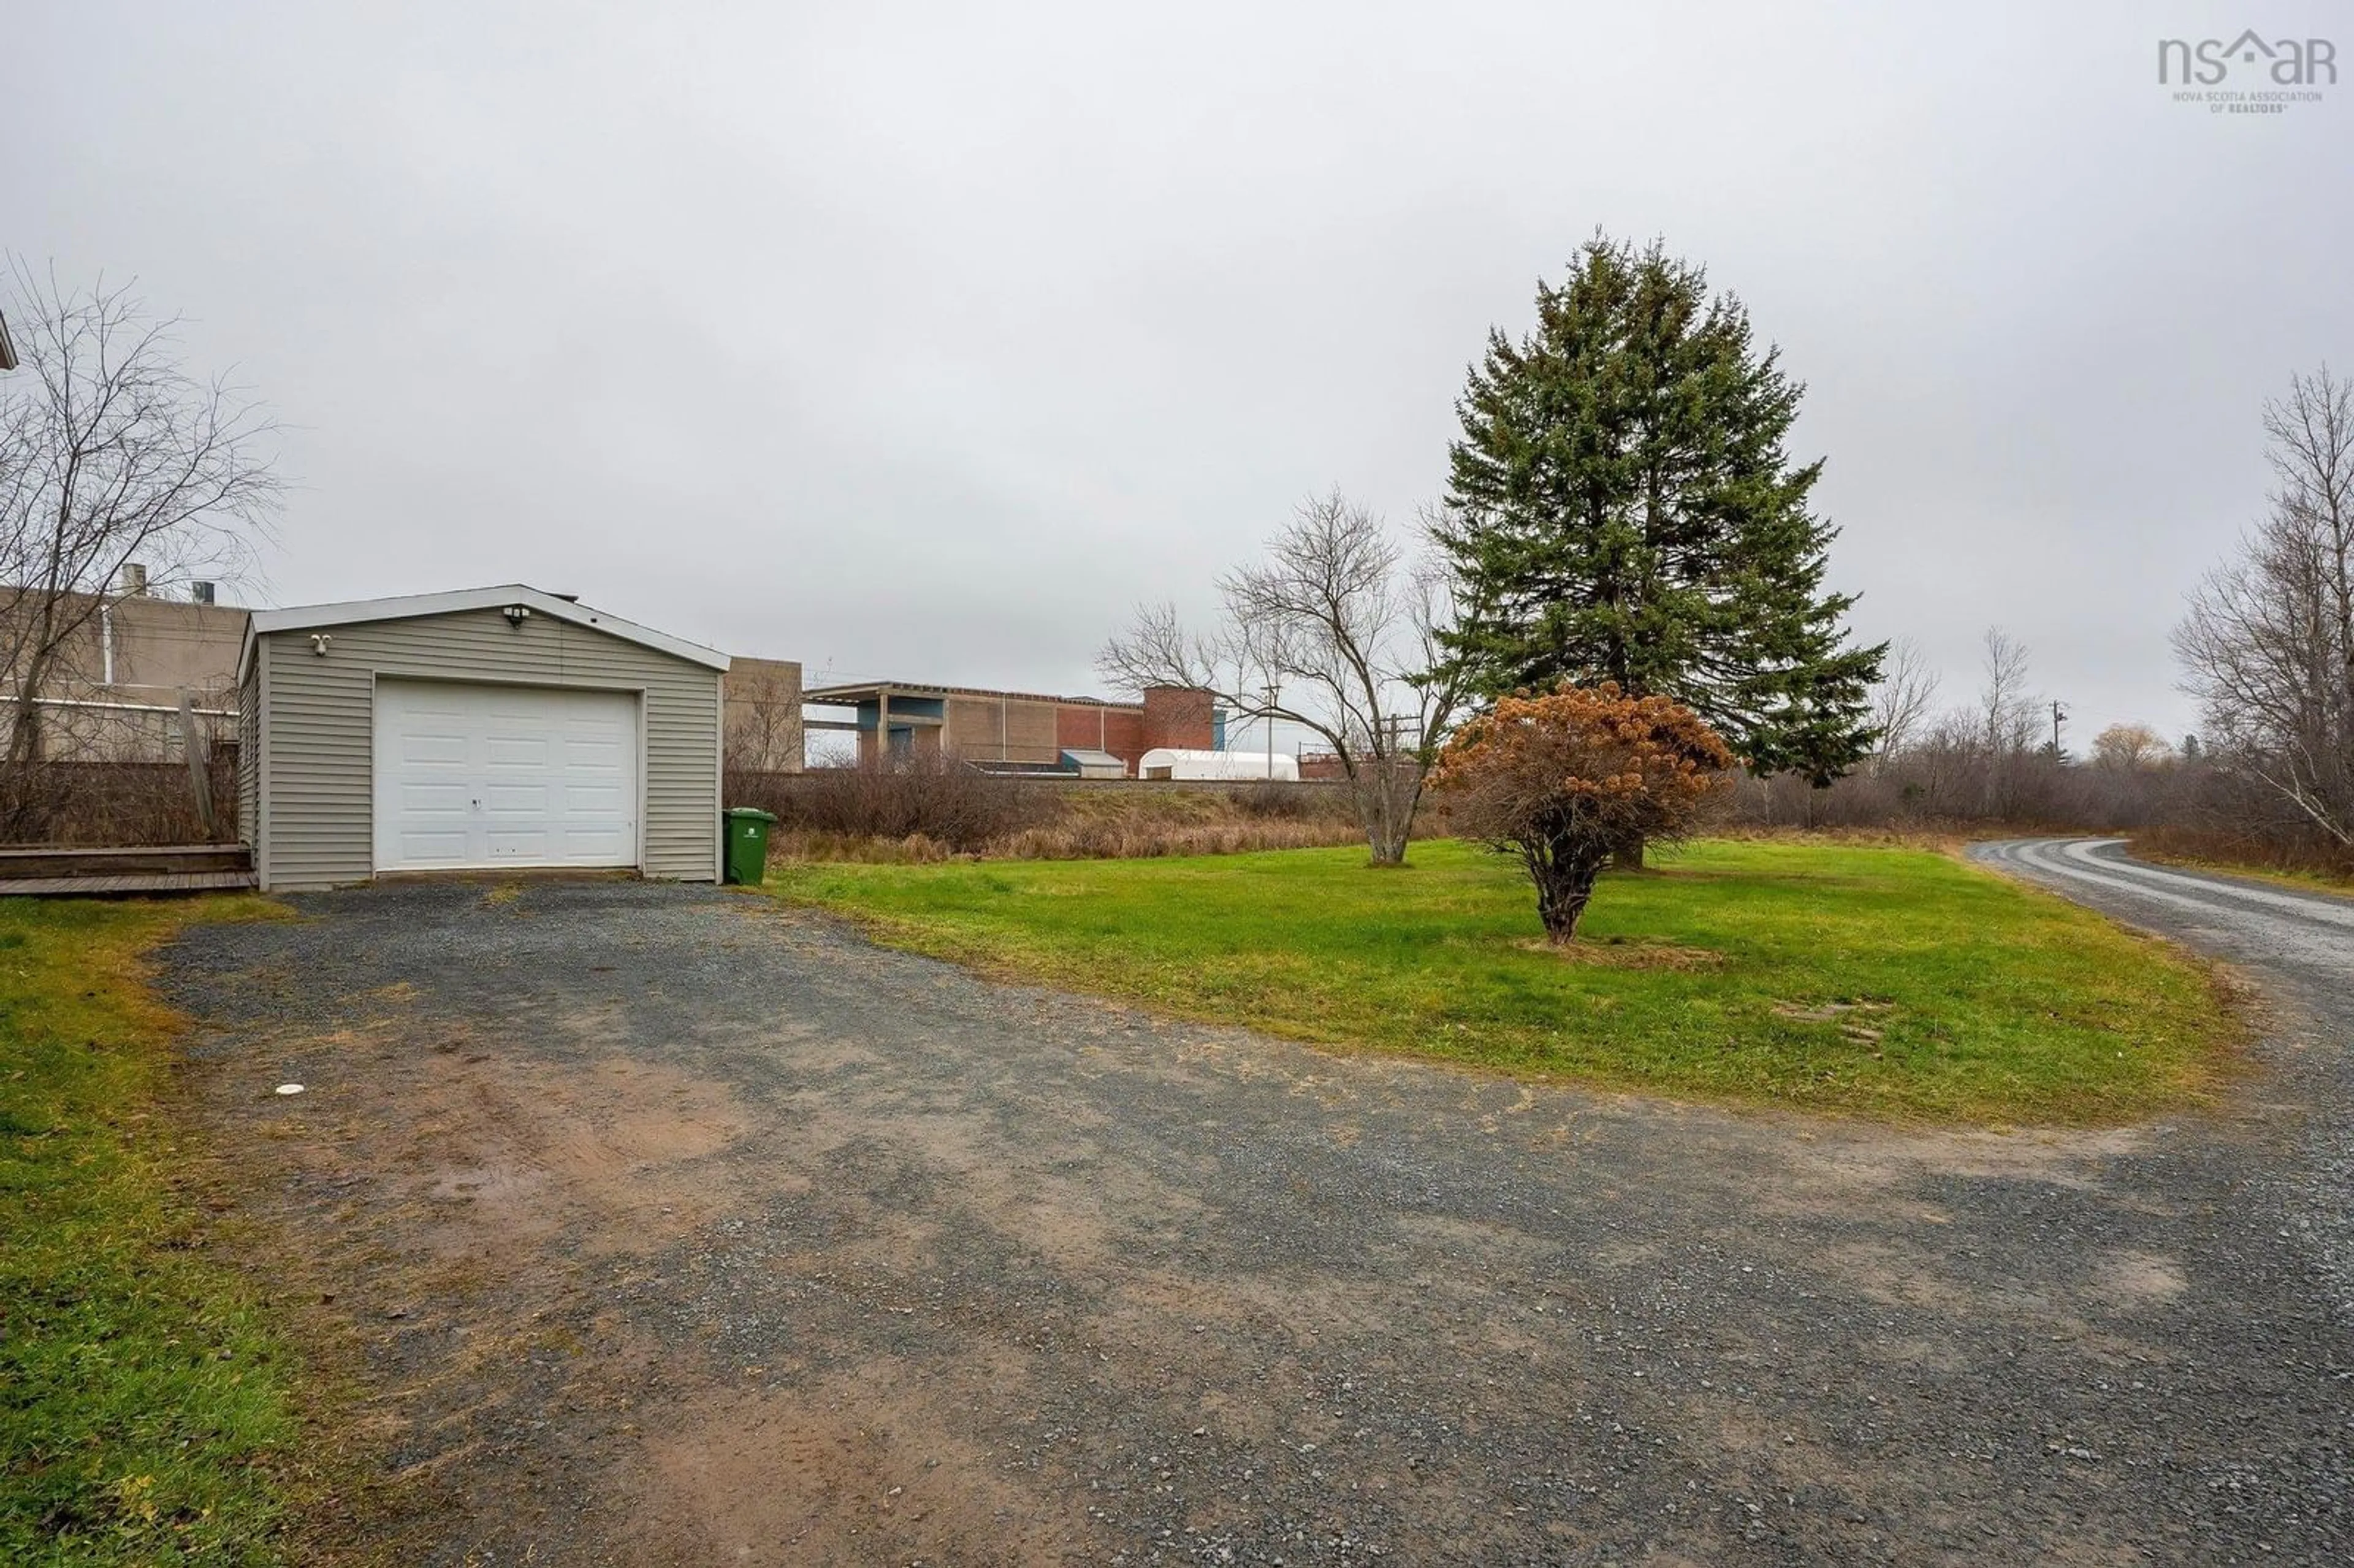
(2300, 942)
(2299, 947)
(659, 1226)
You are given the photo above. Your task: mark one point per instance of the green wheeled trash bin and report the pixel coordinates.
(743, 835)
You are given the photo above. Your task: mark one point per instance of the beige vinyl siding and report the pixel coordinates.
(320, 723)
(249, 754)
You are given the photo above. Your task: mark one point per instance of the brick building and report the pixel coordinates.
(1024, 730)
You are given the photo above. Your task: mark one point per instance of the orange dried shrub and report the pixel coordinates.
(1570, 778)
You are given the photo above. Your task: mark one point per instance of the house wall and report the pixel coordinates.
(315, 745)
(249, 755)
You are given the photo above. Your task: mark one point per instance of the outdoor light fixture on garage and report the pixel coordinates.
(517, 614)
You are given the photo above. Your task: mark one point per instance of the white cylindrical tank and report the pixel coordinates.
(1240, 766)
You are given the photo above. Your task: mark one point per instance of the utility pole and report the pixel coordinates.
(1271, 692)
(2058, 714)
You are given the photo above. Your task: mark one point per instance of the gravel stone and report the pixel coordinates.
(723, 1235)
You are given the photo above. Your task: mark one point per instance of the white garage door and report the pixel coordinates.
(471, 776)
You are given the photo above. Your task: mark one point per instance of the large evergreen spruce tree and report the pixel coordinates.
(1621, 507)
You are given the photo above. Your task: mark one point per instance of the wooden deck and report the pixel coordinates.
(74, 871)
(126, 884)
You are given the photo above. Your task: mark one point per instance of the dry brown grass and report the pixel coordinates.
(2311, 862)
(1110, 824)
(113, 803)
(1625, 953)
(1146, 840)
(1939, 839)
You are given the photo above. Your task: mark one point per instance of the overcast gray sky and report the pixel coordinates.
(911, 340)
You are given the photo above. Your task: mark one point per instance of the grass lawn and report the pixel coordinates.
(143, 1403)
(1885, 982)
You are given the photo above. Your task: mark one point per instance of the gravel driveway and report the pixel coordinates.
(665, 1225)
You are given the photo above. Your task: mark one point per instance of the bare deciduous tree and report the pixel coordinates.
(1333, 632)
(111, 453)
(2268, 644)
(1901, 702)
(1986, 749)
(2123, 747)
(2007, 718)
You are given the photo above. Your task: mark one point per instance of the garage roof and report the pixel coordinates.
(408, 606)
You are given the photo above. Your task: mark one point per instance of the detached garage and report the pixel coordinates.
(489, 729)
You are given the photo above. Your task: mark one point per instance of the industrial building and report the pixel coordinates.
(763, 700)
(114, 689)
(1019, 731)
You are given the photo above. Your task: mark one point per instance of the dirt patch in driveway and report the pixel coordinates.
(856, 1471)
(664, 1226)
(510, 1153)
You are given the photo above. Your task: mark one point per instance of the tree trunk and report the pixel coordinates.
(25, 728)
(1630, 858)
(1378, 815)
(1385, 807)
(1564, 885)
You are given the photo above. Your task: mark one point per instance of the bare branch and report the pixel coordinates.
(2268, 643)
(1908, 692)
(1329, 631)
(111, 453)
